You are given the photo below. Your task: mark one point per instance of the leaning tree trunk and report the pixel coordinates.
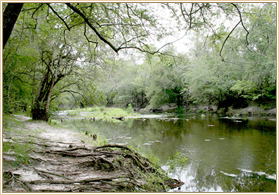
(10, 16)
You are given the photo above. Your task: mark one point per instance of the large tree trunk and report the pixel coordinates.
(40, 109)
(10, 16)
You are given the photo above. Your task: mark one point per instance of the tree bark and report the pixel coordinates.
(40, 109)
(10, 16)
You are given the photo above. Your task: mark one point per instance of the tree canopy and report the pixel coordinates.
(81, 54)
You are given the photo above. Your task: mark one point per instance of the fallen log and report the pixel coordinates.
(121, 118)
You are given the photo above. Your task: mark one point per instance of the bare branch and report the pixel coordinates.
(103, 38)
(169, 43)
(69, 84)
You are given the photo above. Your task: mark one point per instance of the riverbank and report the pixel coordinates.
(248, 111)
(42, 157)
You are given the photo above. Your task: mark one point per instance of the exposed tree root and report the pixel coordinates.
(108, 168)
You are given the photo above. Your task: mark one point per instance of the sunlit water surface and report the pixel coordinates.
(224, 154)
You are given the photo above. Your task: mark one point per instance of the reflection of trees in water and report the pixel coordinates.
(247, 184)
(209, 180)
(261, 124)
(243, 144)
(234, 124)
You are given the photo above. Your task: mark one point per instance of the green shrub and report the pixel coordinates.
(73, 112)
(179, 109)
(130, 109)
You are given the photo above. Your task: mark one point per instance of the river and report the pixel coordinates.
(224, 154)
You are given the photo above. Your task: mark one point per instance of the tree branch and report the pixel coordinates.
(71, 92)
(92, 27)
(240, 21)
(116, 49)
(58, 16)
(240, 17)
(227, 39)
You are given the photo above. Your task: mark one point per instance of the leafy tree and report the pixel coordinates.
(241, 74)
(166, 84)
(259, 78)
(209, 78)
(125, 25)
(74, 48)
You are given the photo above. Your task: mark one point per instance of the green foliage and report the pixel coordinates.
(246, 74)
(21, 151)
(246, 89)
(103, 112)
(153, 158)
(130, 109)
(10, 123)
(180, 109)
(73, 112)
(92, 74)
(166, 83)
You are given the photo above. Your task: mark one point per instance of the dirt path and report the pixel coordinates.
(60, 161)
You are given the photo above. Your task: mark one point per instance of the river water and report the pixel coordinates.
(224, 154)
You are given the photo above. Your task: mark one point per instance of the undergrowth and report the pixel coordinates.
(12, 126)
(20, 150)
(103, 112)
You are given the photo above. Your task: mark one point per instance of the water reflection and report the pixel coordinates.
(218, 149)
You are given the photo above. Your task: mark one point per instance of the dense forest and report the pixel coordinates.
(67, 55)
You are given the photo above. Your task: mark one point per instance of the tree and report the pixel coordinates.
(57, 66)
(10, 16)
(114, 26)
(246, 73)
(166, 83)
(258, 82)
(208, 78)
(59, 57)
(111, 23)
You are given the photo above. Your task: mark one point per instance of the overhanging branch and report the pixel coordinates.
(227, 39)
(102, 38)
(92, 27)
(240, 21)
(58, 16)
(240, 17)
